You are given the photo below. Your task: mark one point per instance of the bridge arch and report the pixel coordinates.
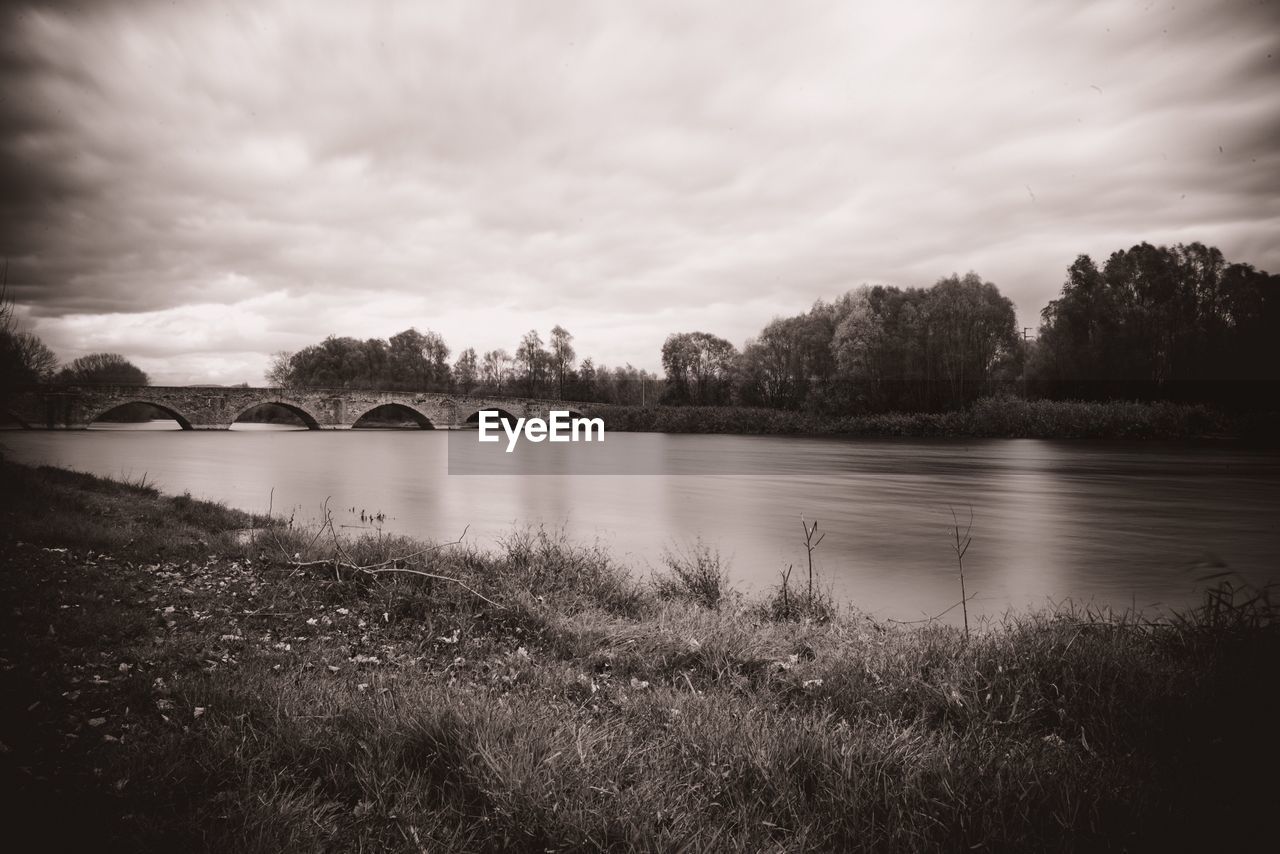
(473, 420)
(396, 407)
(183, 421)
(307, 418)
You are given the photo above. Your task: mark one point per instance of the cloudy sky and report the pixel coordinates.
(199, 185)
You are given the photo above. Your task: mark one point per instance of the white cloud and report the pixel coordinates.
(198, 186)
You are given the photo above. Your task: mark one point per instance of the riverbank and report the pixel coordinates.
(991, 417)
(181, 674)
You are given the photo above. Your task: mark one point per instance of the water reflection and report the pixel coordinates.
(1111, 524)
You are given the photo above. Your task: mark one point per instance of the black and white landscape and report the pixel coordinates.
(934, 351)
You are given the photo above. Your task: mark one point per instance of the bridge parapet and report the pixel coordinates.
(217, 408)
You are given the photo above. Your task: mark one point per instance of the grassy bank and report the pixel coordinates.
(171, 682)
(1008, 417)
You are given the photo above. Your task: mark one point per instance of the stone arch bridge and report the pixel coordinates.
(217, 408)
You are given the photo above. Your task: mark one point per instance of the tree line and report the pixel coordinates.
(875, 348)
(1152, 322)
(1158, 322)
(26, 360)
(420, 361)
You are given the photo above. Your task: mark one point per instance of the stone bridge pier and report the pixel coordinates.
(216, 408)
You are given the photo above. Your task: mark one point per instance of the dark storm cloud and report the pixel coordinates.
(198, 185)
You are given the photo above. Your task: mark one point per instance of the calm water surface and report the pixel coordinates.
(1108, 524)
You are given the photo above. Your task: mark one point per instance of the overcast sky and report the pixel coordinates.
(199, 185)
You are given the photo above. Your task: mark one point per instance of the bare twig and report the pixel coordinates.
(786, 589)
(389, 565)
(929, 619)
(470, 590)
(961, 545)
(809, 545)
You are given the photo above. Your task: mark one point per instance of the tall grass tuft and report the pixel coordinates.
(694, 573)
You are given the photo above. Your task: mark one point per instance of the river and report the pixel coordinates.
(1112, 524)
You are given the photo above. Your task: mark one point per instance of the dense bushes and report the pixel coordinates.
(992, 417)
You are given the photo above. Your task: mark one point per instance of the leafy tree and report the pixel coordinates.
(466, 371)
(1161, 322)
(410, 360)
(935, 348)
(790, 363)
(533, 361)
(495, 370)
(436, 355)
(562, 357)
(699, 368)
(419, 361)
(407, 360)
(973, 330)
(587, 379)
(102, 369)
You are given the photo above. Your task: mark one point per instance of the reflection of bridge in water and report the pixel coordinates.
(216, 408)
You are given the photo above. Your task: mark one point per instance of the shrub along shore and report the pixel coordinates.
(182, 676)
(989, 417)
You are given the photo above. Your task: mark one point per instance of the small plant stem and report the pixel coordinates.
(961, 545)
(809, 545)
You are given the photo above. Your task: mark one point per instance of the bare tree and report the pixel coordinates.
(280, 374)
(465, 371)
(562, 356)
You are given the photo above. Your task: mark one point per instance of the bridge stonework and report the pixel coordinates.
(215, 408)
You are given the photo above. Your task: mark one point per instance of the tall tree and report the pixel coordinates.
(913, 349)
(419, 360)
(699, 368)
(973, 328)
(532, 360)
(1168, 322)
(495, 370)
(562, 357)
(436, 354)
(466, 371)
(587, 378)
(407, 356)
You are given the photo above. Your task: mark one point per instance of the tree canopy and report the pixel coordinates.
(103, 369)
(1152, 322)
(418, 361)
(1161, 322)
